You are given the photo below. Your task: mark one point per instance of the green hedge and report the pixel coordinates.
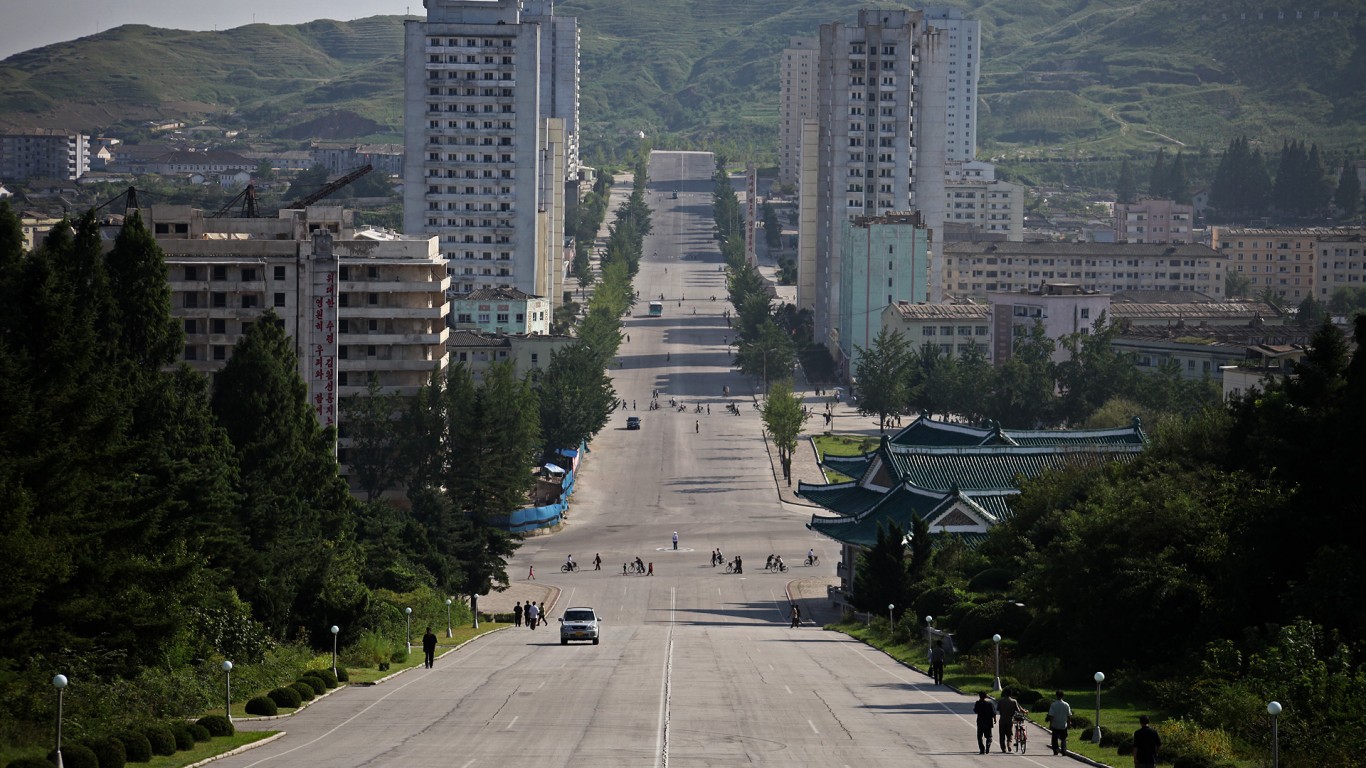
(199, 732)
(136, 746)
(318, 685)
(342, 676)
(326, 676)
(108, 751)
(161, 739)
(76, 756)
(263, 706)
(217, 725)
(30, 762)
(285, 698)
(305, 691)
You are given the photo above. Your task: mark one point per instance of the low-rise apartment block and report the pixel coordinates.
(1153, 221)
(978, 268)
(501, 311)
(1280, 260)
(41, 153)
(527, 352)
(979, 203)
(1341, 263)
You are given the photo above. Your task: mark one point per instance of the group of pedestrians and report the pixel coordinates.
(1059, 719)
(534, 614)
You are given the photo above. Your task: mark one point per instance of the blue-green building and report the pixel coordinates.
(883, 260)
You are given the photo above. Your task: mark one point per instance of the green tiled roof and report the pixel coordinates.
(840, 498)
(850, 466)
(996, 467)
(900, 505)
(927, 432)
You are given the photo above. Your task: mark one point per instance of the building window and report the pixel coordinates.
(220, 352)
(218, 325)
(279, 299)
(279, 273)
(248, 275)
(191, 326)
(191, 353)
(192, 273)
(219, 300)
(220, 273)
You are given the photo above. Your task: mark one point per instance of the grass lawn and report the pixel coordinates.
(842, 445)
(444, 646)
(1118, 711)
(201, 751)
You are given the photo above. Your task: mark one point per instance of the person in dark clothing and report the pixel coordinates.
(429, 647)
(1006, 709)
(1146, 743)
(937, 662)
(517, 615)
(986, 718)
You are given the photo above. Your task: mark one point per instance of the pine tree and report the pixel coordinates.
(1126, 189)
(1347, 197)
(145, 332)
(1159, 176)
(1178, 185)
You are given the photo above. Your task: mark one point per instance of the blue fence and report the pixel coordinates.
(533, 518)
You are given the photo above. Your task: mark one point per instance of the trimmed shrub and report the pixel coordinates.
(109, 752)
(1124, 742)
(285, 698)
(939, 601)
(326, 676)
(342, 675)
(991, 580)
(136, 746)
(305, 691)
(318, 685)
(76, 756)
(217, 725)
(1041, 704)
(1082, 724)
(184, 737)
(398, 657)
(1023, 694)
(31, 762)
(199, 732)
(161, 738)
(262, 705)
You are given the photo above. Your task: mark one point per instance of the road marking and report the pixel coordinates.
(467, 765)
(789, 689)
(542, 685)
(514, 722)
(665, 685)
(813, 727)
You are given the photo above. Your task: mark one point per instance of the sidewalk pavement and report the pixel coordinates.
(812, 596)
(519, 591)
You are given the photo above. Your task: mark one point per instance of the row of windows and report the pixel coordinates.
(219, 272)
(948, 330)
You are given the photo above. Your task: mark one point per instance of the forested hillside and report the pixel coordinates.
(1078, 77)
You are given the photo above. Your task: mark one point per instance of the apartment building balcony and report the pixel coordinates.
(394, 313)
(367, 364)
(395, 285)
(396, 339)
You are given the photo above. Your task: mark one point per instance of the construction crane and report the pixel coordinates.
(248, 197)
(331, 187)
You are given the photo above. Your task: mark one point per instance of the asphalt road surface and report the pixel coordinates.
(695, 667)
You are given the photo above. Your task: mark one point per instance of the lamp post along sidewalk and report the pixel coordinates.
(891, 622)
(1095, 732)
(996, 639)
(408, 619)
(335, 630)
(448, 618)
(1274, 709)
(227, 689)
(59, 682)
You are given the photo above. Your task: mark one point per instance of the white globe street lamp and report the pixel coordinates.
(1095, 733)
(929, 634)
(227, 688)
(59, 682)
(408, 617)
(997, 640)
(891, 623)
(448, 618)
(335, 630)
(1274, 709)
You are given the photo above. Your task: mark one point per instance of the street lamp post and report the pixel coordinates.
(929, 634)
(1095, 733)
(59, 682)
(335, 630)
(448, 617)
(408, 616)
(891, 623)
(1274, 709)
(227, 689)
(997, 640)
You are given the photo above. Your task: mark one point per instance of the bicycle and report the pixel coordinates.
(813, 560)
(730, 567)
(1021, 734)
(569, 567)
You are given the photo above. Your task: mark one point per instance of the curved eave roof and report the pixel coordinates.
(850, 466)
(901, 505)
(845, 499)
(997, 467)
(929, 433)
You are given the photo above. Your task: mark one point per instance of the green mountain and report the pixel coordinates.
(1076, 77)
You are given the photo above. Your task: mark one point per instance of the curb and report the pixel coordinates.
(302, 706)
(238, 750)
(387, 678)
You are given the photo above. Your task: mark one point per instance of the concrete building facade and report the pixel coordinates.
(953, 328)
(806, 216)
(476, 166)
(964, 64)
(881, 100)
(1062, 308)
(41, 153)
(559, 75)
(975, 199)
(979, 268)
(886, 260)
(1281, 260)
(796, 102)
(1341, 263)
(1153, 221)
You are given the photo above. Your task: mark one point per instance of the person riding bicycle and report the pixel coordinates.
(768, 563)
(811, 556)
(1009, 709)
(569, 563)
(778, 563)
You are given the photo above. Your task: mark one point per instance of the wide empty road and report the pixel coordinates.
(695, 667)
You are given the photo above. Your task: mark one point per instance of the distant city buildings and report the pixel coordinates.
(796, 102)
(40, 153)
(1153, 221)
(500, 311)
(979, 207)
(1278, 260)
(487, 138)
(978, 268)
(964, 61)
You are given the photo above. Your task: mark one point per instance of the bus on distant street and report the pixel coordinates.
(656, 309)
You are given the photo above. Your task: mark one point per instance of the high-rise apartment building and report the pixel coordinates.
(886, 260)
(964, 61)
(796, 102)
(881, 100)
(40, 153)
(481, 147)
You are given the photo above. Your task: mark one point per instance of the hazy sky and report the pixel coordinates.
(26, 24)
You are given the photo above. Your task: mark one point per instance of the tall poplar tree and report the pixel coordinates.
(1347, 197)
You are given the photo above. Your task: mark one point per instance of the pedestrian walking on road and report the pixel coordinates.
(531, 614)
(986, 718)
(623, 569)
(651, 572)
(796, 616)
(531, 573)
(517, 615)
(675, 540)
(633, 405)
(1059, 717)
(540, 613)
(597, 562)
(1006, 709)
(429, 648)
(697, 427)
(1146, 743)
(937, 662)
